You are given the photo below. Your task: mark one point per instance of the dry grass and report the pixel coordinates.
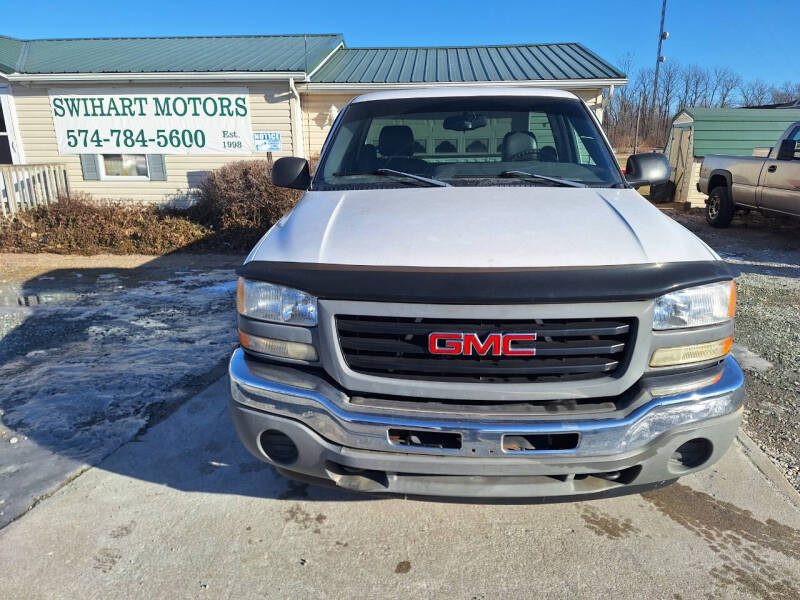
(234, 206)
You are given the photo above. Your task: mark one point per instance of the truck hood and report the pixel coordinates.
(510, 226)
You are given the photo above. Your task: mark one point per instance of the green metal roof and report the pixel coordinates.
(261, 53)
(10, 50)
(304, 53)
(737, 130)
(462, 64)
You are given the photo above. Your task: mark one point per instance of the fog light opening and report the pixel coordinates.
(278, 447)
(692, 454)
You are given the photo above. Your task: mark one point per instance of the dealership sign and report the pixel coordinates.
(136, 121)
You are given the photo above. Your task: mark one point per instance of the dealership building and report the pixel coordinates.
(146, 118)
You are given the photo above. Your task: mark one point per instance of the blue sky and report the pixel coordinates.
(758, 39)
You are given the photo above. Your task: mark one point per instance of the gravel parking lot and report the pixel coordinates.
(767, 251)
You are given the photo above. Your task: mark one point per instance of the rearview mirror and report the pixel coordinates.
(291, 172)
(465, 122)
(650, 168)
(789, 150)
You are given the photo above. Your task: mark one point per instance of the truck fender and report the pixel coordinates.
(714, 177)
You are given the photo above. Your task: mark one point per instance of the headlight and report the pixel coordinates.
(696, 306)
(270, 302)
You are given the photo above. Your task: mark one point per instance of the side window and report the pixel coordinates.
(584, 157)
(539, 126)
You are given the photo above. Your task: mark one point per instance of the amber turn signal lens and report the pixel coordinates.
(279, 348)
(240, 296)
(681, 355)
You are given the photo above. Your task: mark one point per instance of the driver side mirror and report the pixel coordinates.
(291, 172)
(649, 168)
(789, 150)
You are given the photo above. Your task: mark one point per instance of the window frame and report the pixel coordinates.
(101, 169)
(12, 132)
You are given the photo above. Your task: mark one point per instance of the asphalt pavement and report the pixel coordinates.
(184, 512)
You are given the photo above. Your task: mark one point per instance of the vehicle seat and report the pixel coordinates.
(515, 142)
(396, 147)
(367, 159)
(548, 154)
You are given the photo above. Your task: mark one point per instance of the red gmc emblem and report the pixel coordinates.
(494, 344)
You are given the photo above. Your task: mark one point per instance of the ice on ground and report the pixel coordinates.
(80, 378)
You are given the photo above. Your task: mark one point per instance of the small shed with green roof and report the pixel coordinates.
(699, 131)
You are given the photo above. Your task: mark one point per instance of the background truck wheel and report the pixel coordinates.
(663, 192)
(719, 208)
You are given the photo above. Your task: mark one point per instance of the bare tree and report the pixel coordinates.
(787, 92)
(724, 82)
(680, 86)
(754, 93)
(694, 83)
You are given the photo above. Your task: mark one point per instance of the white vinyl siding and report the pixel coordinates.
(269, 111)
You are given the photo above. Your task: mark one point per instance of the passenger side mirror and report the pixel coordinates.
(650, 168)
(789, 150)
(291, 172)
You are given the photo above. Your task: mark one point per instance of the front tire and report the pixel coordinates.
(719, 208)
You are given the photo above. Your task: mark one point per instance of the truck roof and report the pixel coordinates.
(457, 91)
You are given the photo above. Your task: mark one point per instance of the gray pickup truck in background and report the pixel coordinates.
(771, 184)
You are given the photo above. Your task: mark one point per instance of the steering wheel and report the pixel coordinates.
(527, 154)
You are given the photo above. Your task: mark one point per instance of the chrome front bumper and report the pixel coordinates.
(326, 410)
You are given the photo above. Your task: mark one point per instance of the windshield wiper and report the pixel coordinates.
(536, 176)
(420, 178)
(393, 173)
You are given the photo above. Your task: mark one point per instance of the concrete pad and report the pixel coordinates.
(185, 512)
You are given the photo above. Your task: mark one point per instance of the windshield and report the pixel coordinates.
(467, 141)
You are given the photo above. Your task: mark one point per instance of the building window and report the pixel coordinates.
(445, 146)
(123, 166)
(478, 146)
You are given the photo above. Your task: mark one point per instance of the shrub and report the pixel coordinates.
(240, 202)
(234, 206)
(77, 225)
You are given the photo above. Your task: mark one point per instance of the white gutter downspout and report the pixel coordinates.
(605, 101)
(296, 116)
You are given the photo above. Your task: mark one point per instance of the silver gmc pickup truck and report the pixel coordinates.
(771, 185)
(471, 300)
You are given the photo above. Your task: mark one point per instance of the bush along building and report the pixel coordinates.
(146, 118)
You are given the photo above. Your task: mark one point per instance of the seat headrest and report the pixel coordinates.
(396, 140)
(515, 142)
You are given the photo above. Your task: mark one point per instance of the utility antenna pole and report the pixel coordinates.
(662, 35)
(636, 132)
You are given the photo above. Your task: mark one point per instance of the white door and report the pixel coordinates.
(10, 146)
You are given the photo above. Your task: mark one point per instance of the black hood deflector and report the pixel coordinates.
(442, 285)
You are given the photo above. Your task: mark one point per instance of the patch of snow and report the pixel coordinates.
(79, 379)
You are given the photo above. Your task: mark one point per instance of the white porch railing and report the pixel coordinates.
(25, 187)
